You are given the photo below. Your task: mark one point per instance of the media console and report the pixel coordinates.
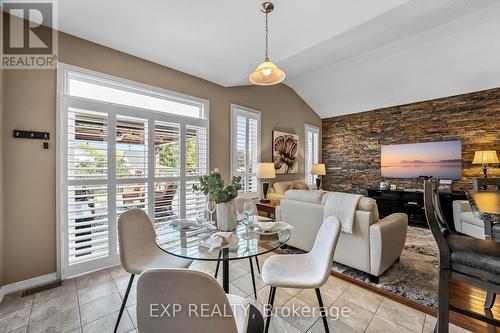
(412, 203)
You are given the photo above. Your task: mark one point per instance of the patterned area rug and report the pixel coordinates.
(414, 277)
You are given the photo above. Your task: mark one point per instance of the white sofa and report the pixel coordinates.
(465, 221)
(374, 244)
(278, 190)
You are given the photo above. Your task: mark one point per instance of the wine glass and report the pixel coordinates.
(211, 205)
(248, 209)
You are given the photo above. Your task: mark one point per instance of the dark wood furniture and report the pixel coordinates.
(472, 261)
(412, 204)
(267, 209)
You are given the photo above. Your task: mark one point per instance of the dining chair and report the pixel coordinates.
(240, 203)
(138, 249)
(187, 291)
(466, 259)
(304, 271)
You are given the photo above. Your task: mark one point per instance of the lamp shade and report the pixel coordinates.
(485, 157)
(266, 170)
(267, 74)
(318, 169)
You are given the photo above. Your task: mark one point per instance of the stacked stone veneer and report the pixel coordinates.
(351, 143)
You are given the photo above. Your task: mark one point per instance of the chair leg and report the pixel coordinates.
(442, 325)
(258, 265)
(269, 309)
(124, 301)
(322, 309)
(218, 264)
(490, 300)
(253, 278)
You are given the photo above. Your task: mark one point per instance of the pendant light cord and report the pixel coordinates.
(267, 37)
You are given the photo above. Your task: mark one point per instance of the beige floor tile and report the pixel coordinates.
(67, 286)
(19, 330)
(64, 321)
(96, 291)
(298, 313)
(335, 286)
(281, 296)
(14, 302)
(363, 297)
(132, 296)
(202, 268)
(279, 325)
(381, 325)
(245, 283)
(309, 297)
(335, 326)
(90, 279)
(358, 317)
(402, 314)
(132, 313)
(15, 320)
(122, 283)
(54, 305)
(107, 324)
(430, 323)
(100, 308)
(117, 272)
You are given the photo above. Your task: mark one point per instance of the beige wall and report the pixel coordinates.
(29, 171)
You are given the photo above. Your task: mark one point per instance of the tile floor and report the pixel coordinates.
(90, 303)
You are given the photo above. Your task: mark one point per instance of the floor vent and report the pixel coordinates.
(38, 289)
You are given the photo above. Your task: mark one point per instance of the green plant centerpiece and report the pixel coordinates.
(212, 185)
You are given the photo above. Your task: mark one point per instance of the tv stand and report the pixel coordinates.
(411, 202)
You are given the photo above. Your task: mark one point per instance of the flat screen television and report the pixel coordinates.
(442, 159)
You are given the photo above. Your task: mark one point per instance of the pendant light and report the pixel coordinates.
(267, 73)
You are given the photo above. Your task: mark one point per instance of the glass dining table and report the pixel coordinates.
(246, 243)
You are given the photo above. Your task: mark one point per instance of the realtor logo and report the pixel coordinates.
(29, 35)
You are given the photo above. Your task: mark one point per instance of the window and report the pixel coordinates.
(311, 151)
(122, 145)
(245, 147)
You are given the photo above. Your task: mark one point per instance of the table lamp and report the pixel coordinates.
(265, 171)
(318, 170)
(485, 157)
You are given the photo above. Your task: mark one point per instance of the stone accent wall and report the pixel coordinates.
(351, 143)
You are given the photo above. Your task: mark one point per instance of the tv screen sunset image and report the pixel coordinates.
(442, 160)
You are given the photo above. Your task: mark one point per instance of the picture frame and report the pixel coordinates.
(285, 152)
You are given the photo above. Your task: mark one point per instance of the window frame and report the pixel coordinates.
(238, 110)
(113, 111)
(307, 168)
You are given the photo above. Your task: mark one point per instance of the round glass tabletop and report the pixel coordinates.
(246, 243)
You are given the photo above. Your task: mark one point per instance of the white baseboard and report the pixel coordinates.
(26, 284)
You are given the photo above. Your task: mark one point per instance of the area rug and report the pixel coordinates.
(414, 277)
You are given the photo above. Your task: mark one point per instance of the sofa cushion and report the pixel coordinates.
(300, 185)
(304, 195)
(282, 187)
(470, 218)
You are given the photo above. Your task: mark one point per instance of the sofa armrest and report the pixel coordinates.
(459, 207)
(387, 241)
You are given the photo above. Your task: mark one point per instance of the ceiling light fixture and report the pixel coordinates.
(267, 73)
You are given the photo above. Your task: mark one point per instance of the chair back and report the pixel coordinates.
(435, 220)
(136, 237)
(184, 289)
(240, 203)
(324, 247)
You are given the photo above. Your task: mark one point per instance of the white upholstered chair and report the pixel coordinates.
(191, 290)
(138, 249)
(465, 221)
(304, 271)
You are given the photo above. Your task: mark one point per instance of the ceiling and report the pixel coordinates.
(341, 56)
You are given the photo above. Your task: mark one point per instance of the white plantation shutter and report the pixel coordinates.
(128, 146)
(311, 151)
(245, 147)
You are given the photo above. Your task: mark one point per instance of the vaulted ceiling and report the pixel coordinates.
(341, 56)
